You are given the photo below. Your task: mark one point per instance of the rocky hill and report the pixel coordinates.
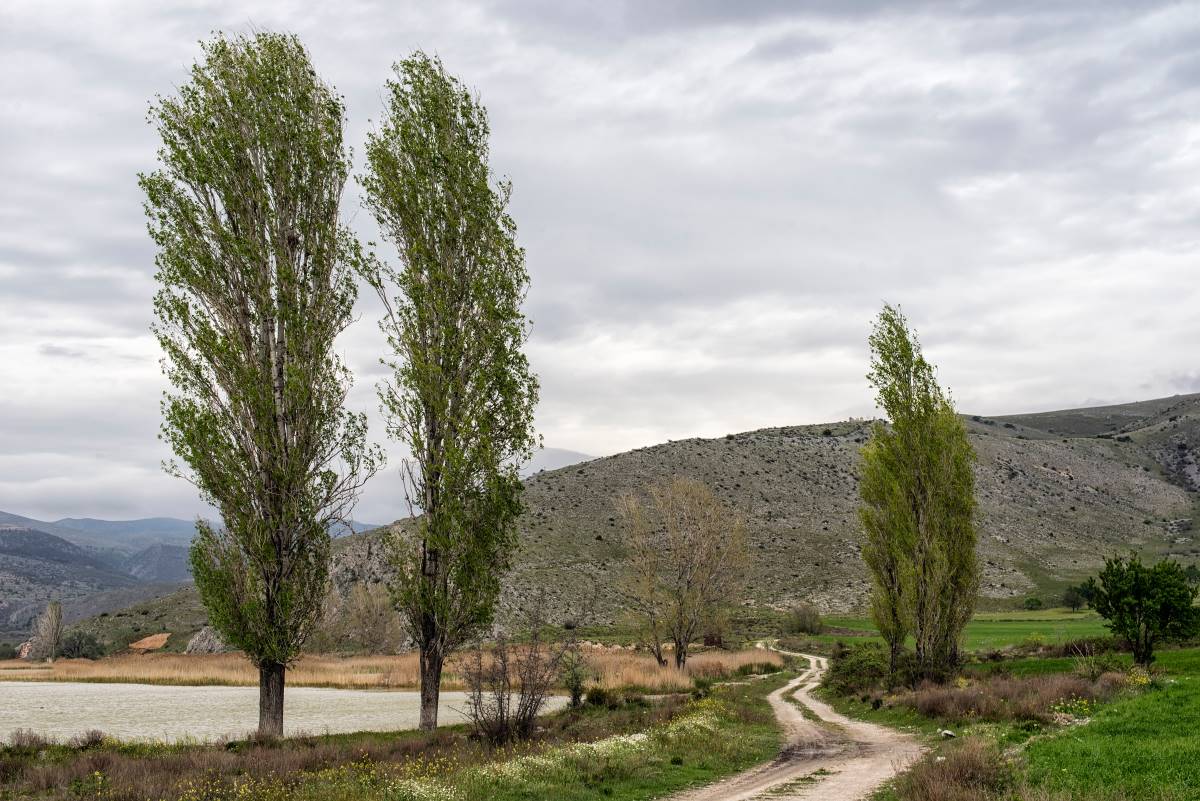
(1057, 492)
(36, 567)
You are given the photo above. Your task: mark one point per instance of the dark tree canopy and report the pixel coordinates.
(1145, 604)
(256, 281)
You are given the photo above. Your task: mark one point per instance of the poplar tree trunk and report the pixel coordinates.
(270, 699)
(431, 686)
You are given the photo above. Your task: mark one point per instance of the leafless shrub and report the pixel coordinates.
(27, 740)
(508, 684)
(92, 738)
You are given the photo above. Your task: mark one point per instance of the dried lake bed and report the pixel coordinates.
(61, 710)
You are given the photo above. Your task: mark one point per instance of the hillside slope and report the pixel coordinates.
(1057, 492)
(36, 567)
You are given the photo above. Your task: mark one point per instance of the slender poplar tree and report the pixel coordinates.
(918, 493)
(462, 396)
(256, 281)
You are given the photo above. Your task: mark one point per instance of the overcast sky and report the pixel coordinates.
(715, 199)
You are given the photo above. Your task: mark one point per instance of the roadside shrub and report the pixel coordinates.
(803, 619)
(973, 770)
(856, 669)
(77, 644)
(7, 651)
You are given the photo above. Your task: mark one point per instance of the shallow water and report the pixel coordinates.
(153, 712)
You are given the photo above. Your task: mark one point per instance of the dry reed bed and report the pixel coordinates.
(613, 668)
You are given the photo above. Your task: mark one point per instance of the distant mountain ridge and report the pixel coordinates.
(93, 565)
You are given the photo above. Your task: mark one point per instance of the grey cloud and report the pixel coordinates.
(714, 197)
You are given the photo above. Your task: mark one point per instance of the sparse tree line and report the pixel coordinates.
(258, 277)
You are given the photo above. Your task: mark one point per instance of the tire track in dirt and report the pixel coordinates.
(835, 759)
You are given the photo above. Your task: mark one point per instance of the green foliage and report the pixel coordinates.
(256, 282)
(462, 395)
(803, 618)
(1073, 598)
(864, 667)
(575, 671)
(918, 493)
(1145, 604)
(77, 644)
(1032, 603)
(8, 651)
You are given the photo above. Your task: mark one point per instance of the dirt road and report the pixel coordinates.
(836, 759)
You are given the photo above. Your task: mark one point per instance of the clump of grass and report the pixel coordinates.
(973, 770)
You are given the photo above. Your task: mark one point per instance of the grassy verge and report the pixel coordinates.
(1140, 746)
(630, 749)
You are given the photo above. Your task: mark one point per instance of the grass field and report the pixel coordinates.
(997, 630)
(1146, 747)
(613, 668)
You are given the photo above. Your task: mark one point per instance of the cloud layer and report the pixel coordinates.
(715, 199)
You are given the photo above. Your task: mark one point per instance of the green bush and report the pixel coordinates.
(7, 651)
(78, 644)
(602, 696)
(1033, 603)
(856, 668)
(803, 619)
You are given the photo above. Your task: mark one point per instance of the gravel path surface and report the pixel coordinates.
(837, 759)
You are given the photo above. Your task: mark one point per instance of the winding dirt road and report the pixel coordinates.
(833, 759)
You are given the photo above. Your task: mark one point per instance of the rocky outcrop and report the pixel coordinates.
(206, 641)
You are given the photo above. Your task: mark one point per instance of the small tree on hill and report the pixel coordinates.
(256, 284)
(1073, 599)
(462, 395)
(46, 642)
(687, 556)
(918, 493)
(1144, 604)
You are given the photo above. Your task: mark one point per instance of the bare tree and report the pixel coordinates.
(687, 555)
(365, 620)
(47, 633)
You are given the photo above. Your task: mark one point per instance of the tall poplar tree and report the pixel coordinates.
(256, 281)
(918, 493)
(462, 396)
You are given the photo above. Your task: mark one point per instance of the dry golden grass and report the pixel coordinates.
(614, 668)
